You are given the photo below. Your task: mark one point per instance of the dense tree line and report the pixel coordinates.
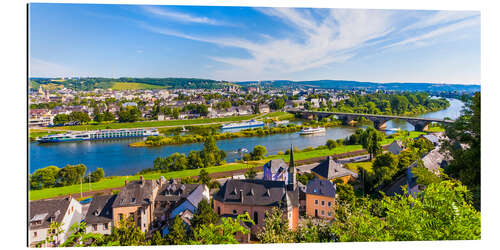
(53, 176)
(75, 116)
(464, 148)
(405, 103)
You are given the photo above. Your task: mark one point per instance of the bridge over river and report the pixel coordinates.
(379, 121)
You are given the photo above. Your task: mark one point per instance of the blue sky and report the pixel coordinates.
(242, 43)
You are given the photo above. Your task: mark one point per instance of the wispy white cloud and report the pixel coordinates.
(183, 17)
(442, 30)
(321, 37)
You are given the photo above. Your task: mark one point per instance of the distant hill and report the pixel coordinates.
(130, 83)
(349, 85)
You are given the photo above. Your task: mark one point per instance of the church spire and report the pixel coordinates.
(292, 176)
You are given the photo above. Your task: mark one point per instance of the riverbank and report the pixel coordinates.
(185, 139)
(219, 171)
(168, 123)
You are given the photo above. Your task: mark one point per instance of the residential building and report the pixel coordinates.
(331, 170)
(42, 213)
(136, 200)
(276, 170)
(256, 197)
(320, 198)
(99, 217)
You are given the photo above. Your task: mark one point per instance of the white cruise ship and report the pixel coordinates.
(309, 131)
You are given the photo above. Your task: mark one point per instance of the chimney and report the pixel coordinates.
(69, 197)
(241, 195)
(126, 182)
(142, 180)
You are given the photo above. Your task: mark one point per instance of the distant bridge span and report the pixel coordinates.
(379, 121)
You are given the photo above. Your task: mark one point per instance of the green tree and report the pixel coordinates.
(128, 234)
(177, 232)
(157, 239)
(384, 168)
(277, 104)
(423, 175)
(204, 178)
(129, 114)
(204, 215)
(251, 174)
(70, 174)
(44, 177)
(314, 231)
(78, 116)
(258, 152)
(371, 141)
(97, 175)
(194, 160)
(108, 116)
(464, 147)
(345, 192)
(275, 229)
(61, 119)
(440, 212)
(331, 144)
(223, 233)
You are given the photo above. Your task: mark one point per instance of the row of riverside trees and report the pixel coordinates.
(209, 156)
(53, 176)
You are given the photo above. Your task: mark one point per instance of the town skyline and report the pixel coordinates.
(249, 44)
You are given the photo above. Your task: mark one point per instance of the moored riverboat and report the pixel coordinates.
(99, 135)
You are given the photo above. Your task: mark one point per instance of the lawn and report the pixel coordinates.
(366, 165)
(119, 181)
(146, 124)
(134, 86)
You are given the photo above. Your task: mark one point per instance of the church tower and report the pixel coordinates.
(292, 175)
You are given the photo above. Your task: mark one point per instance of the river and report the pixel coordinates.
(117, 158)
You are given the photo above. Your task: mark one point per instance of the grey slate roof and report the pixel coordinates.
(432, 138)
(136, 193)
(46, 211)
(100, 209)
(395, 147)
(256, 192)
(331, 169)
(276, 165)
(321, 187)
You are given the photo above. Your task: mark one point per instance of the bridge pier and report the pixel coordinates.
(420, 125)
(378, 122)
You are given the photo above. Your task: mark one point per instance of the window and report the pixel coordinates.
(235, 212)
(35, 234)
(106, 226)
(218, 210)
(256, 217)
(121, 216)
(329, 214)
(323, 203)
(322, 212)
(131, 215)
(94, 227)
(316, 202)
(329, 203)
